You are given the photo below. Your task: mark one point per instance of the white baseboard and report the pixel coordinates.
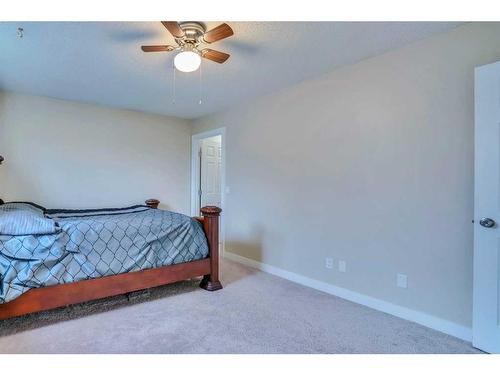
(442, 325)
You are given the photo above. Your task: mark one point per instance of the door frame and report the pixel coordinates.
(195, 175)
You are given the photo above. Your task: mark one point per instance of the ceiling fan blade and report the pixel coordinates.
(218, 57)
(157, 48)
(220, 32)
(174, 28)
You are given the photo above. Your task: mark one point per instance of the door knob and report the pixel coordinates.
(487, 222)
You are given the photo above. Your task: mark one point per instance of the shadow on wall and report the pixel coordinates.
(165, 206)
(243, 249)
(3, 179)
(251, 248)
(7, 172)
(10, 169)
(3, 173)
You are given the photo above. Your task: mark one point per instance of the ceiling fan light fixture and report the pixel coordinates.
(187, 61)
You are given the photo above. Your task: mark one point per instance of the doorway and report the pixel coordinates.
(208, 174)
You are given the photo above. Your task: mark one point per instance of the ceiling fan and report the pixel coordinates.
(190, 36)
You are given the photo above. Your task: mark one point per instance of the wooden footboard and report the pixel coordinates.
(210, 220)
(50, 297)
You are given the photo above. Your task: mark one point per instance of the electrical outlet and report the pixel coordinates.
(329, 263)
(342, 266)
(402, 280)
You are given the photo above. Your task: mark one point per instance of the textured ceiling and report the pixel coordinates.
(101, 62)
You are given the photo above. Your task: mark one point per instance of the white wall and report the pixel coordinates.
(372, 164)
(66, 154)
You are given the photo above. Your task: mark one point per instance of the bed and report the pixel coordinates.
(54, 258)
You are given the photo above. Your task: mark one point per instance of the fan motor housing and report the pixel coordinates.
(194, 31)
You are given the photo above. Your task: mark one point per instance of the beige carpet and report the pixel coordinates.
(254, 313)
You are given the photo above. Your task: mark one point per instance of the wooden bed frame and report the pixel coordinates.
(50, 297)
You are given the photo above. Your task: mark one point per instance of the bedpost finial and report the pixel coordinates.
(211, 211)
(152, 203)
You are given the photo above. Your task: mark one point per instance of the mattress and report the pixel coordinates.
(95, 243)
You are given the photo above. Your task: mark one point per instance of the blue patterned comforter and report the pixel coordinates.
(96, 243)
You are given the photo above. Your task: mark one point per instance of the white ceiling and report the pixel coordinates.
(101, 62)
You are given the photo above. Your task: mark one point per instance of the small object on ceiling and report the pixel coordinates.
(1, 159)
(20, 32)
(189, 36)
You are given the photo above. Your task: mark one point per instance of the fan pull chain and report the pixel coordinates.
(200, 84)
(173, 85)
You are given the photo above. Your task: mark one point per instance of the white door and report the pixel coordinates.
(211, 161)
(486, 305)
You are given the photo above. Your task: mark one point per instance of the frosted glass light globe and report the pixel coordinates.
(187, 61)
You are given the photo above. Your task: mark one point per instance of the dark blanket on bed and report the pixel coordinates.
(94, 243)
